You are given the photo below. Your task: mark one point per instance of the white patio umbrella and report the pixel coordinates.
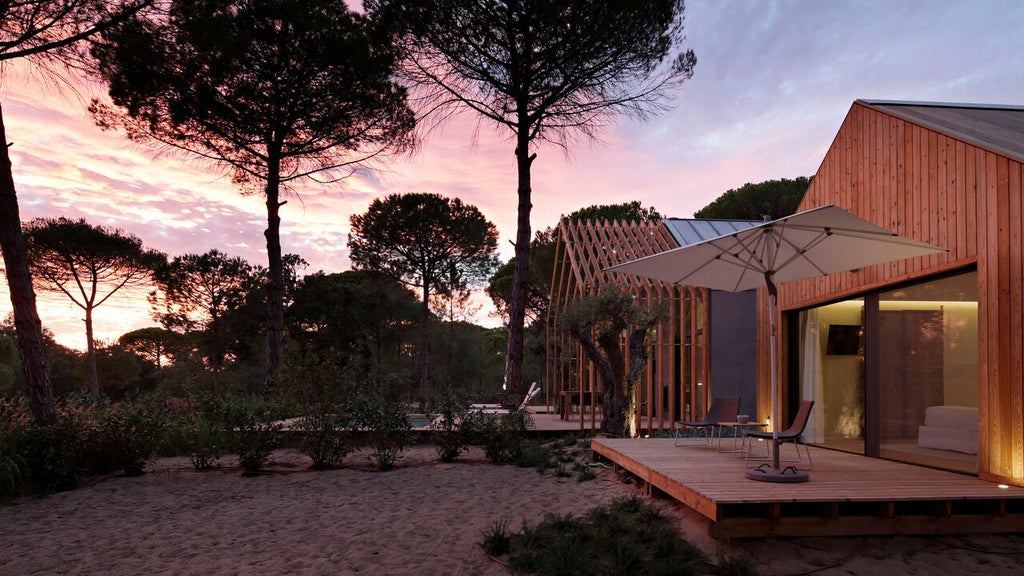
(812, 243)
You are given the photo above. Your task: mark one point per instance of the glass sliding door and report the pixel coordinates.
(928, 373)
(917, 401)
(831, 372)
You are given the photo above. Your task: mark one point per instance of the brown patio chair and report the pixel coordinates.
(721, 410)
(794, 434)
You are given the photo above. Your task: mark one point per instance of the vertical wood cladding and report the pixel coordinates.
(938, 188)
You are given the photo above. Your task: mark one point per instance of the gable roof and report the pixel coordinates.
(997, 128)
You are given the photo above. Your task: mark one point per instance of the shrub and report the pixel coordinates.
(503, 435)
(196, 428)
(253, 430)
(475, 427)
(12, 466)
(628, 536)
(535, 454)
(387, 428)
(54, 453)
(448, 429)
(318, 387)
(128, 434)
(497, 541)
(325, 434)
(200, 437)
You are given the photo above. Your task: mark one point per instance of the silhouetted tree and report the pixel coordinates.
(275, 90)
(88, 264)
(43, 31)
(359, 314)
(772, 198)
(546, 70)
(420, 239)
(152, 344)
(194, 294)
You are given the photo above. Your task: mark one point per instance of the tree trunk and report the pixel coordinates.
(425, 342)
(275, 280)
(517, 307)
(216, 353)
(616, 397)
(23, 298)
(613, 418)
(90, 356)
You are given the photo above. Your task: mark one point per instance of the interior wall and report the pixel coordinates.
(842, 375)
(960, 352)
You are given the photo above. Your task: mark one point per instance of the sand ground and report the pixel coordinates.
(423, 518)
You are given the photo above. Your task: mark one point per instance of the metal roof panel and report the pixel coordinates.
(688, 231)
(998, 128)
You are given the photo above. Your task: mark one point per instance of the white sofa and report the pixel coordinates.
(950, 428)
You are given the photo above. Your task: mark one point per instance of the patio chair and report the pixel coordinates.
(721, 410)
(794, 434)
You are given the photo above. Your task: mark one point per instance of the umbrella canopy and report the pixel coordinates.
(813, 243)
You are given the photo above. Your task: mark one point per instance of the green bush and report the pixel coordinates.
(497, 540)
(253, 430)
(12, 466)
(448, 427)
(54, 453)
(129, 435)
(503, 435)
(535, 454)
(386, 426)
(476, 426)
(318, 386)
(627, 537)
(195, 430)
(326, 434)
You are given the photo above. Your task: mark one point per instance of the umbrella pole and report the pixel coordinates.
(773, 304)
(775, 474)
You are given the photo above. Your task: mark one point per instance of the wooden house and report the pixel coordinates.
(918, 360)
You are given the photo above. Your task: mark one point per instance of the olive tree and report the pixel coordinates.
(608, 326)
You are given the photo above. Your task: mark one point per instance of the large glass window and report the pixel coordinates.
(928, 373)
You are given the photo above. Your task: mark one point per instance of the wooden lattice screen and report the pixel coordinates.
(675, 383)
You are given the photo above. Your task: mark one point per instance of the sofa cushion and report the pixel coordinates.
(956, 439)
(964, 417)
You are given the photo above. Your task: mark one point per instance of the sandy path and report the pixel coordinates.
(424, 518)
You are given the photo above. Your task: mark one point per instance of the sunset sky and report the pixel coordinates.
(773, 82)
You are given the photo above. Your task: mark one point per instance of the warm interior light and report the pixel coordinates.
(1003, 486)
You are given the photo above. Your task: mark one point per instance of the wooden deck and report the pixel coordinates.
(847, 494)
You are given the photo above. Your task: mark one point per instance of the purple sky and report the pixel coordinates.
(773, 82)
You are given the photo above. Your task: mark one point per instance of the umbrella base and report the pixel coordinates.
(787, 475)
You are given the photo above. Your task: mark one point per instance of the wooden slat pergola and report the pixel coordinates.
(675, 383)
